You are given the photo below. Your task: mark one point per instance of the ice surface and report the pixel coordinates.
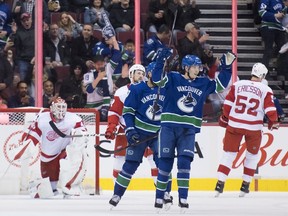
(141, 203)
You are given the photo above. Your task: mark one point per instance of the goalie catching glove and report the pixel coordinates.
(223, 121)
(132, 136)
(227, 60)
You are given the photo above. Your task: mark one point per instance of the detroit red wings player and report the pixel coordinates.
(53, 148)
(116, 122)
(243, 112)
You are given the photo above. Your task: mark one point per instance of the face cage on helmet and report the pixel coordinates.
(59, 110)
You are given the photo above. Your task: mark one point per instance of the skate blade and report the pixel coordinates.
(183, 210)
(167, 206)
(217, 194)
(242, 194)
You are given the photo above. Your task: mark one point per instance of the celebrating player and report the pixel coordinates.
(116, 120)
(243, 113)
(181, 117)
(138, 112)
(59, 156)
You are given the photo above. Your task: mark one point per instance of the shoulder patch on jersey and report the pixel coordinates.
(150, 41)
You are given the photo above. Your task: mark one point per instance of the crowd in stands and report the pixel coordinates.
(75, 53)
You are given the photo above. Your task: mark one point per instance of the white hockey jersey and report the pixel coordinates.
(51, 143)
(116, 109)
(247, 103)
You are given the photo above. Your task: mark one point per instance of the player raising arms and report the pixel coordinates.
(116, 122)
(54, 160)
(243, 112)
(140, 125)
(181, 118)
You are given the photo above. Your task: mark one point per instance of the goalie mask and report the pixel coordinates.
(259, 70)
(58, 109)
(136, 73)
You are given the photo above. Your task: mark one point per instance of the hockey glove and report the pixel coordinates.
(273, 125)
(164, 54)
(223, 121)
(110, 131)
(227, 60)
(108, 32)
(104, 113)
(132, 136)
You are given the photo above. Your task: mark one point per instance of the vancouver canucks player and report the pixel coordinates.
(181, 117)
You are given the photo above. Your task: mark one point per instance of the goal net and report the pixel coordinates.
(15, 174)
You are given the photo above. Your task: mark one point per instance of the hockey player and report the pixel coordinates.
(53, 161)
(243, 112)
(116, 122)
(140, 125)
(181, 118)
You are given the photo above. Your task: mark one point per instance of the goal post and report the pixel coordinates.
(13, 122)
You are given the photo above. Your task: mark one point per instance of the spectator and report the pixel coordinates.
(58, 6)
(22, 98)
(24, 43)
(6, 77)
(271, 29)
(48, 96)
(56, 48)
(157, 15)
(108, 4)
(122, 16)
(28, 6)
(187, 12)
(191, 44)
(6, 20)
(155, 44)
(92, 14)
(130, 51)
(82, 47)
(68, 27)
(78, 6)
(71, 88)
(97, 88)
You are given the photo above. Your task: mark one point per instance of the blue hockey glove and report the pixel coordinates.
(164, 54)
(227, 60)
(132, 136)
(108, 32)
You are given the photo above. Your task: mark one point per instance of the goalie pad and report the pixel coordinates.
(73, 167)
(40, 188)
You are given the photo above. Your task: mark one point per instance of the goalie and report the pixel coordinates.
(61, 159)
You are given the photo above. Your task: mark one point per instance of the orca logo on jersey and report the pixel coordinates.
(13, 145)
(158, 110)
(187, 103)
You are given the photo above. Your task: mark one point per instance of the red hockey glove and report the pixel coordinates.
(273, 125)
(110, 131)
(223, 121)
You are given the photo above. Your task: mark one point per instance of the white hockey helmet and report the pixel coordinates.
(58, 108)
(259, 70)
(134, 68)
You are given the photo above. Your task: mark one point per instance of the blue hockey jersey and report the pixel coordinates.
(184, 98)
(139, 108)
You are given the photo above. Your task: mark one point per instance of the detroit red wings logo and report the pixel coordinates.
(13, 146)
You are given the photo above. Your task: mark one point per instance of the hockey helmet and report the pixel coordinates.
(259, 70)
(135, 68)
(150, 67)
(58, 108)
(191, 60)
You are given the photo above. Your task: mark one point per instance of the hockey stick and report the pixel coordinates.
(21, 152)
(106, 151)
(164, 67)
(61, 134)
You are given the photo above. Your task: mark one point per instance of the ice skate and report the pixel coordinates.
(219, 188)
(158, 205)
(183, 205)
(167, 201)
(114, 201)
(244, 189)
